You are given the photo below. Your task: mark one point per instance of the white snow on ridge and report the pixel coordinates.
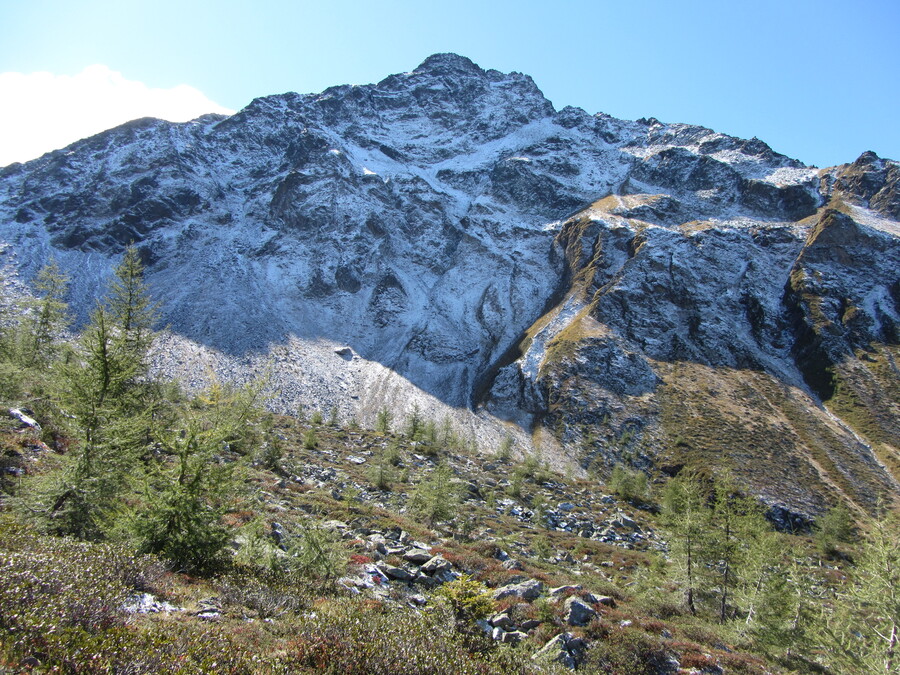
(871, 219)
(564, 314)
(787, 175)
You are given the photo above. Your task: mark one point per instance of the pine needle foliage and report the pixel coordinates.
(111, 403)
(192, 486)
(860, 632)
(435, 498)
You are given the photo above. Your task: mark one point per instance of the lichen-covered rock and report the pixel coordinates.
(502, 620)
(396, 573)
(527, 590)
(417, 556)
(605, 600)
(436, 565)
(564, 649)
(577, 612)
(513, 637)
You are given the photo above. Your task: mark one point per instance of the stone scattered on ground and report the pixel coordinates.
(145, 603)
(578, 613)
(527, 590)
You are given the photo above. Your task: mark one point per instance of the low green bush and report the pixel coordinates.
(358, 637)
(627, 652)
(629, 484)
(470, 599)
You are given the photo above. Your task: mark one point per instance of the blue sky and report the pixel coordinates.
(816, 80)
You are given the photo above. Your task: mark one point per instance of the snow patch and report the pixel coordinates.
(537, 350)
(874, 220)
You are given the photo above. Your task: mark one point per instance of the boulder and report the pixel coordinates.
(277, 532)
(144, 603)
(396, 573)
(624, 522)
(559, 591)
(605, 600)
(417, 556)
(513, 637)
(502, 620)
(527, 590)
(578, 613)
(555, 651)
(428, 582)
(436, 565)
(26, 420)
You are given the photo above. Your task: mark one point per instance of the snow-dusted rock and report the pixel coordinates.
(446, 238)
(26, 420)
(145, 603)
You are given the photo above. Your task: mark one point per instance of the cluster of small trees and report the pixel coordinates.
(734, 568)
(726, 555)
(141, 461)
(629, 484)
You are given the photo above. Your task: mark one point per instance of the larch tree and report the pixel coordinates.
(686, 520)
(107, 393)
(861, 631)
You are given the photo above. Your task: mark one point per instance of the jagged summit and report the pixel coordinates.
(448, 62)
(479, 253)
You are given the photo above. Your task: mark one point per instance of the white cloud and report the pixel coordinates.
(43, 111)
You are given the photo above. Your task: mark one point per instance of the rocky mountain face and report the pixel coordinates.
(602, 290)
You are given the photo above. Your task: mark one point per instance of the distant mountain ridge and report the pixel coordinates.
(603, 290)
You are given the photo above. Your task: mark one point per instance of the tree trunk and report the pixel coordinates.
(722, 610)
(690, 589)
(892, 644)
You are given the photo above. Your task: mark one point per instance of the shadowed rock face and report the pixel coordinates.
(550, 267)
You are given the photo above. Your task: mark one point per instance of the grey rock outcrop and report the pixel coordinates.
(527, 590)
(564, 649)
(578, 613)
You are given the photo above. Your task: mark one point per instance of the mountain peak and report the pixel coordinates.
(446, 63)
(444, 238)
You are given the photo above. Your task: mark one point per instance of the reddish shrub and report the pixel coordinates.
(697, 660)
